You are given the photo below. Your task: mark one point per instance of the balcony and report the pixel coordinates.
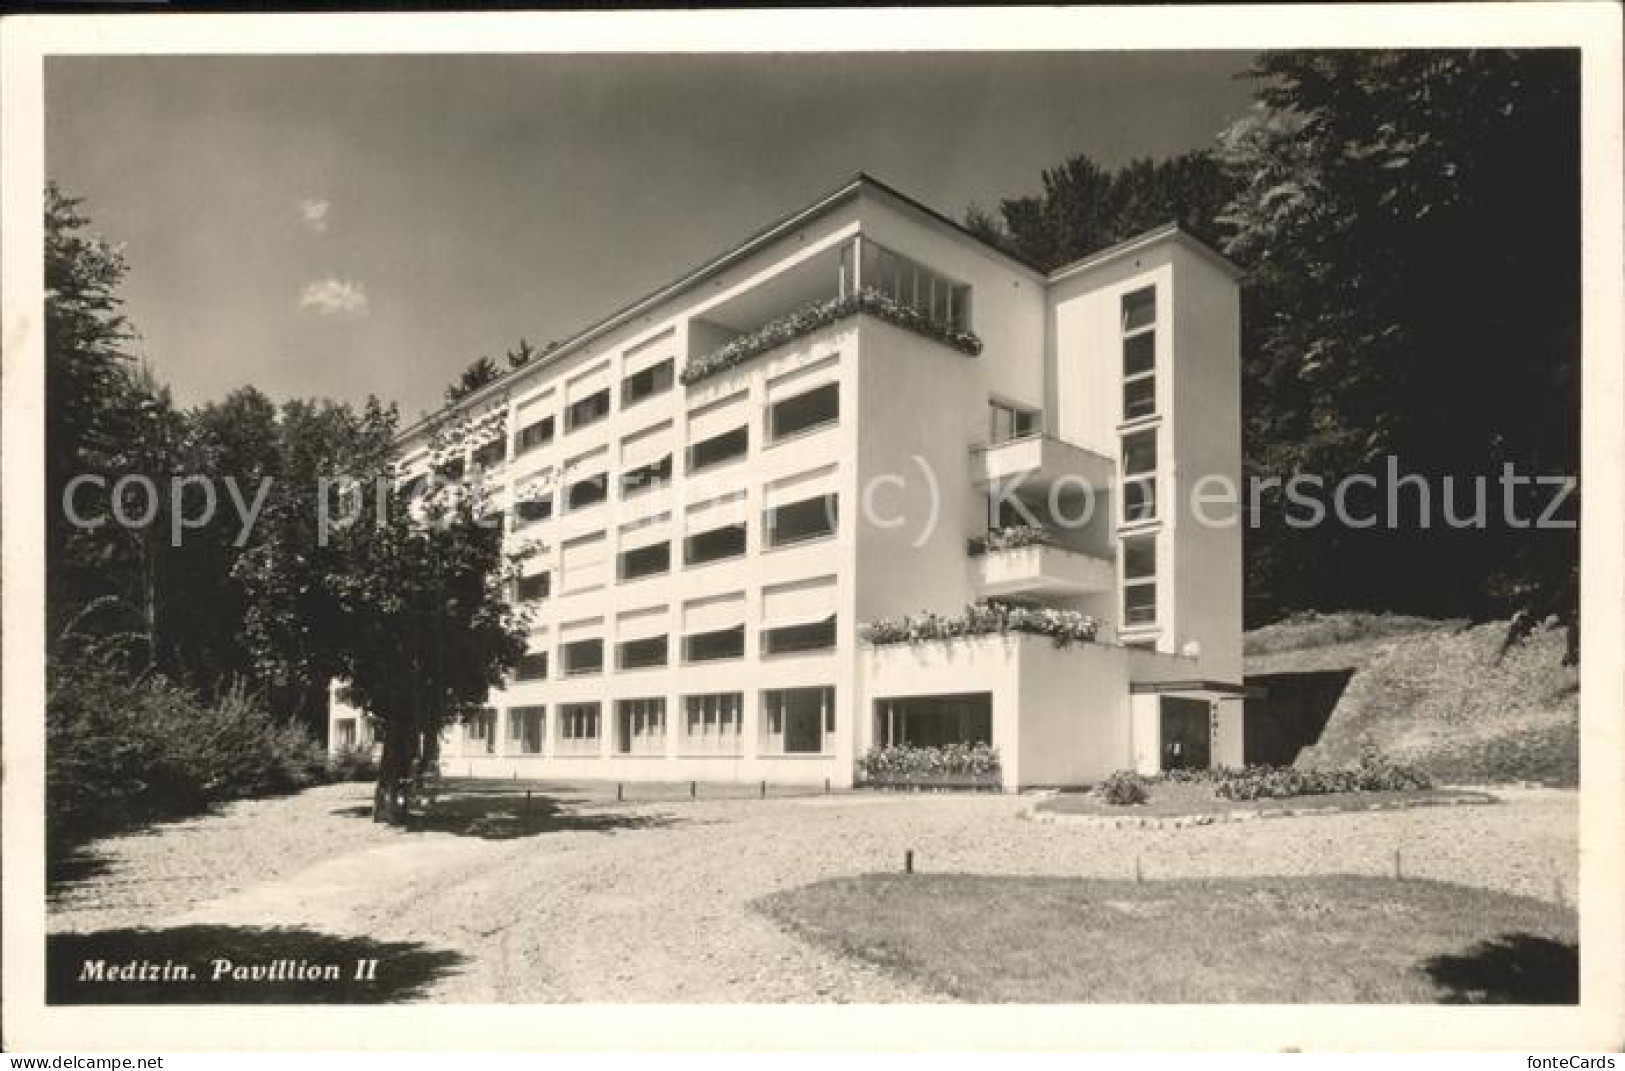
(1037, 462)
(1031, 561)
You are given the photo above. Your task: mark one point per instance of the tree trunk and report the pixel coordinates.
(395, 770)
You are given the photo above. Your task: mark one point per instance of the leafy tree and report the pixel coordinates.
(428, 628)
(292, 626)
(480, 371)
(1411, 222)
(1086, 207)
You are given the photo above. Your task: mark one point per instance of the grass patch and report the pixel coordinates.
(1177, 799)
(1339, 939)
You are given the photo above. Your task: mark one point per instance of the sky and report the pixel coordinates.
(340, 226)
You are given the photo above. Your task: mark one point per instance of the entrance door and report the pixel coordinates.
(1186, 734)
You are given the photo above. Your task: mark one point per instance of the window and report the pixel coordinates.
(640, 726)
(527, 728)
(1140, 354)
(534, 588)
(798, 522)
(719, 448)
(1140, 476)
(646, 477)
(725, 542)
(712, 646)
(645, 561)
(935, 720)
(536, 506)
(589, 410)
(533, 435)
(1140, 582)
(712, 723)
(532, 666)
(910, 283)
(1007, 422)
(578, 729)
(787, 639)
(656, 379)
(641, 654)
(582, 657)
(451, 471)
(804, 412)
(480, 732)
(588, 491)
(492, 453)
(797, 721)
(344, 735)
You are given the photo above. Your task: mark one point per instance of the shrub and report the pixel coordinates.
(352, 764)
(907, 761)
(122, 750)
(1374, 774)
(1123, 788)
(1065, 627)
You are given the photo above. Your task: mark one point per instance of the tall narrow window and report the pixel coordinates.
(1140, 582)
(480, 732)
(804, 412)
(1140, 476)
(1140, 353)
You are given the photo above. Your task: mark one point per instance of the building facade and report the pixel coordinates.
(859, 413)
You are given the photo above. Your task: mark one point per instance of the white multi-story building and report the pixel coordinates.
(819, 429)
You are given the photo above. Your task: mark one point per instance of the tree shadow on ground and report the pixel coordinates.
(1513, 968)
(299, 966)
(65, 872)
(496, 815)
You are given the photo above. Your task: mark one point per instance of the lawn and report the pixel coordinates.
(1169, 799)
(1338, 939)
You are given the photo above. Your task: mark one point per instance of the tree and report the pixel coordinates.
(1086, 207)
(480, 371)
(1411, 225)
(292, 625)
(429, 630)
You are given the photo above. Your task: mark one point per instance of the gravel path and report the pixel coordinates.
(651, 902)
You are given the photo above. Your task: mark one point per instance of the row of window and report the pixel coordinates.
(808, 411)
(795, 522)
(801, 413)
(1139, 457)
(793, 721)
(579, 658)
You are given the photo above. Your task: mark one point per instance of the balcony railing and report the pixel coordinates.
(1028, 560)
(1038, 462)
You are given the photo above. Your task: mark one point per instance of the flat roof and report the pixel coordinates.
(846, 190)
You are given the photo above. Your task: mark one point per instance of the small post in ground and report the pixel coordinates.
(527, 806)
(1399, 869)
(826, 786)
(693, 790)
(908, 861)
(1139, 874)
(618, 791)
(764, 790)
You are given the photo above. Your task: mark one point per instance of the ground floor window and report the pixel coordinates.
(480, 733)
(526, 728)
(934, 720)
(344, 734)
(578, 729)
(712, 723)
(641, 727)
(798, 721)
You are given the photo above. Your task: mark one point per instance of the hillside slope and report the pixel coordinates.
(1438, 694)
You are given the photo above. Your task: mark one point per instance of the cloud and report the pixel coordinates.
(334, 297)
(314, 213)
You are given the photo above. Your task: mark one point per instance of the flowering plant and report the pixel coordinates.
(908, 761)
(1065, 627)
(1012, 538)
(809, 318)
